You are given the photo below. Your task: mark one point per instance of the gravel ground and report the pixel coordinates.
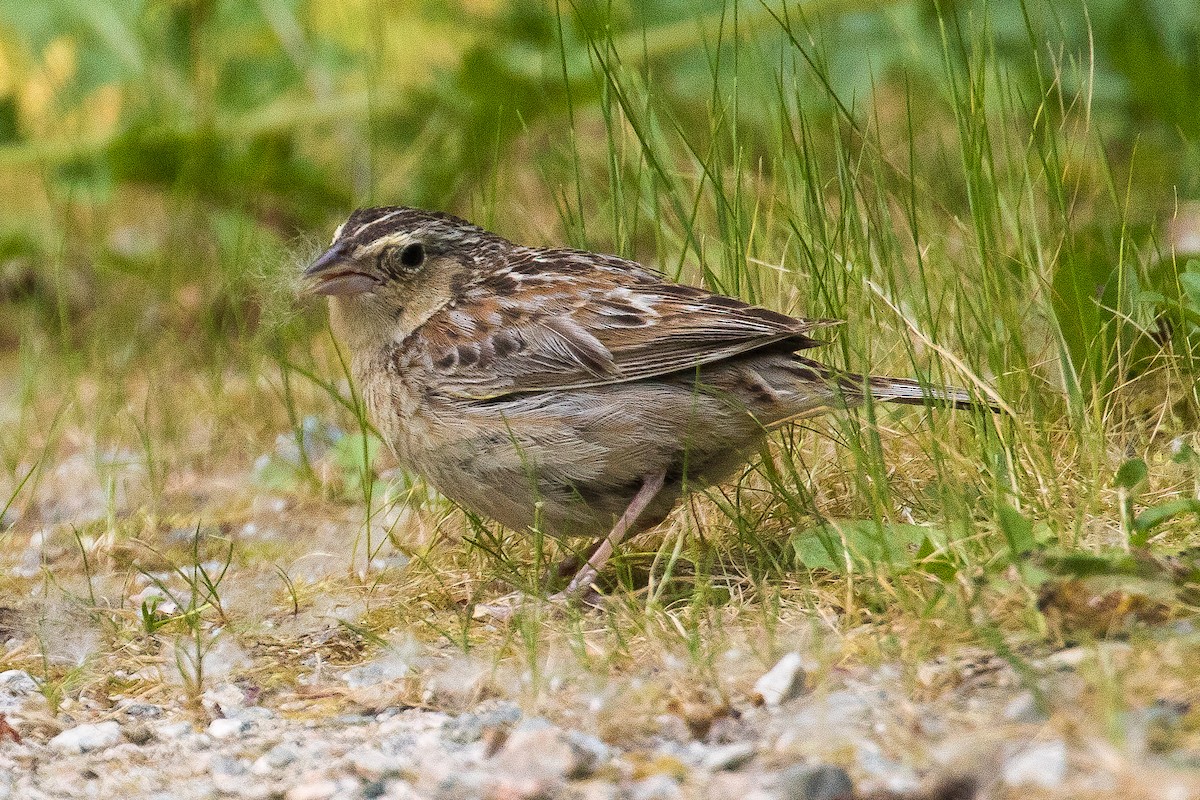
(853, 734)
(348, 684)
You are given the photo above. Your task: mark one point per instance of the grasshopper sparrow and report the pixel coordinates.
(560, 388)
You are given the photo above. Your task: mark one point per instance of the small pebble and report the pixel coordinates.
(224, 699)
(87, 738)
(374, 789)
(16, 687)
(143, 710)
(784, 681)
(1043, 764)
(1023, 708)
(467, 728)
(313, 790)
(390, 668)
(280, 756)
(224, 728)
(17, 682)
(590, 753)
(373, 765)
(139, 733)
(1070, 658)
(226, 766)
(656, 787)
(401, 790)
(728, 757)
(173, 730)
(251, 714)
(1156, 728)
(815, 782)
(537, 752)
(596, 789)
(897, 779)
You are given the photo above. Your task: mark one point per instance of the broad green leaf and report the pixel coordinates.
(1131, 474)
(1189, 279)
(1156, 515)
(1184, 453)
(1082, 565)
(1017, 530)
(843, 545)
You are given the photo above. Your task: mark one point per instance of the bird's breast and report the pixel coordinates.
(396, 404)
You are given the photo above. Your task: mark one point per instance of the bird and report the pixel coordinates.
(571, 392)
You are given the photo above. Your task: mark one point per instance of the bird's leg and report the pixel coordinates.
(569, 565)
(505, 607)
(651, 485)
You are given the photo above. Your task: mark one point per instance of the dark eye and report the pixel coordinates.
(399, 261)
(413, 255)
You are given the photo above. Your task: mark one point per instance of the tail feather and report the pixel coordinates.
(913, 393)
(889, 390)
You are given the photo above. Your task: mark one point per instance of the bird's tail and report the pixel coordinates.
(913, 393)
(853, 389)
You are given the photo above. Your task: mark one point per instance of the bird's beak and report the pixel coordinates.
(332, 274)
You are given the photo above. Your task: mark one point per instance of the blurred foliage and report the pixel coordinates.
(257, 122)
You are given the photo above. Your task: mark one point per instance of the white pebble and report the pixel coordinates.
(224, 728)
(730, 756)
(172, 730)
(1043, 764)
(17, 681)
(784, 681)
(87, 738)
(314, 790)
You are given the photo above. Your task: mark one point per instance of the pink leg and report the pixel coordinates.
(651, 486)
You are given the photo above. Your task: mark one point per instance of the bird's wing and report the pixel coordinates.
(560, 319)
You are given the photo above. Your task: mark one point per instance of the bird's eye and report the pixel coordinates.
(413, 255)
(398, 261)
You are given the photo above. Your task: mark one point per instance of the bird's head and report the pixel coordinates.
(389, 268)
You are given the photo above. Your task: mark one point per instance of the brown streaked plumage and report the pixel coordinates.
(562, 388)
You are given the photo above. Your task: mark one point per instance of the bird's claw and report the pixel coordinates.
(504, 609)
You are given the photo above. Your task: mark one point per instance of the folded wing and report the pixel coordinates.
(559, 319)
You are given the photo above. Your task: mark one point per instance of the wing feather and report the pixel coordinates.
(560, 319)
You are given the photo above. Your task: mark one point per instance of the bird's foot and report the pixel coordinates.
(589, 599)
(504, 609)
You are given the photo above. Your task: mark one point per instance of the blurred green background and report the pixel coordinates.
(270, 120)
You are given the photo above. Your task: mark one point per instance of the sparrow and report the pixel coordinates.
(568, 391)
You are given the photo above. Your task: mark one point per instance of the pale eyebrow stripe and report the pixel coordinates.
(384, 218)
(375, 245)
(337, 234)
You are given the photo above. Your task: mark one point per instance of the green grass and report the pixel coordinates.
(984, 200)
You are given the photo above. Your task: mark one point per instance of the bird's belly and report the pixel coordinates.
(570, 461)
